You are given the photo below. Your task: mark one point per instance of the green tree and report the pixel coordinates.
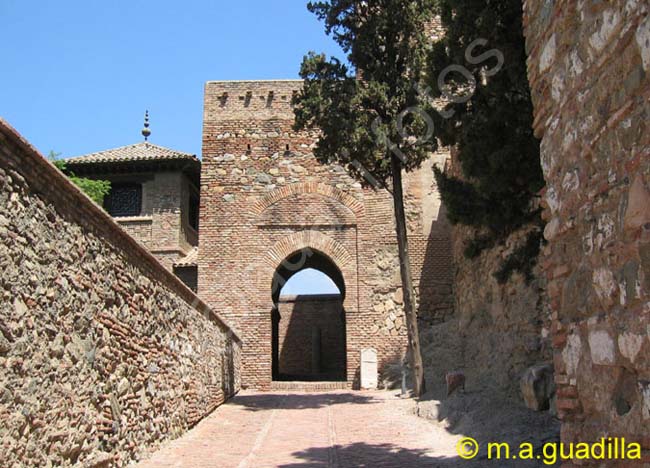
(488, 116)
(95, 189)
(371, 122)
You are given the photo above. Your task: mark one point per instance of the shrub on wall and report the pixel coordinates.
(95, 189)
(498, 154)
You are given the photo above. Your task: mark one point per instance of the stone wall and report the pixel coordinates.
(264, 197)
(429, 235)
(189, 236)
(311, 337)
(588, 68)
(167, 202)
(493, 332)
(497, 330)
(138, 227)
(104, 353)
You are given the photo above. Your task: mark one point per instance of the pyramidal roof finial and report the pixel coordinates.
(145, 131)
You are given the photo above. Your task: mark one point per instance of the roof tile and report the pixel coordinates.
(144, 151)
(191, 259)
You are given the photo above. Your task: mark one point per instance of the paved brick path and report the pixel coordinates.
(332, 429)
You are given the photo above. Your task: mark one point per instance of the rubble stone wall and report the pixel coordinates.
(104, 354)
(498, 330)
(589, 63)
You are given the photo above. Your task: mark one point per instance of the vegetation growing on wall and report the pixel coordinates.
(491, 128)
(95, 189)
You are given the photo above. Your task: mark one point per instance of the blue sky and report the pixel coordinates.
(309, 281)
(77, 76)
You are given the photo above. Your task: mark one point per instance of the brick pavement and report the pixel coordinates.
(333, 429)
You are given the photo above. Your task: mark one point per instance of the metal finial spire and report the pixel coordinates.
(145, 131)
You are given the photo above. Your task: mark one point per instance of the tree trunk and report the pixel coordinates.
(415, 356)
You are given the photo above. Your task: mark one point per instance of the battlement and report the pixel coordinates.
(250, 100)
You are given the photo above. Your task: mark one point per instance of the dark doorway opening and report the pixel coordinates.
(308, 319)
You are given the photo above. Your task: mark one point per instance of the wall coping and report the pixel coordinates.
(101, 222)
(133, 219)
(279, 80)
(310, 298)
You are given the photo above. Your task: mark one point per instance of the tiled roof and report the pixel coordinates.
(190, 259)
(139, 152)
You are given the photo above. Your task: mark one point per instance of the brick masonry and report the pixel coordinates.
(264, 197)
(588, 68)
(163, 225)
(311, 337)
(104, 353)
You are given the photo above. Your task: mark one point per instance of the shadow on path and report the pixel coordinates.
(362, 455)
(488, 418)
(293, 401)
(392, 456)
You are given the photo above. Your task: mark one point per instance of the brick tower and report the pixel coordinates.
(269, 209)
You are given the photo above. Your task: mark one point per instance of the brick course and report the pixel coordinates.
(264, 197)
(299, 318)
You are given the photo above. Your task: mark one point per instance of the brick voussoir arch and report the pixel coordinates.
(356, 206)
(308, 240)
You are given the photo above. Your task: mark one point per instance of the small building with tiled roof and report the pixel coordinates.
(154, 196)
(139, 152)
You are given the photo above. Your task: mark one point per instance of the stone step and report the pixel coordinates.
(300, 386)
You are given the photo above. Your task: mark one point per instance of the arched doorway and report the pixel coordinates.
(308, 319)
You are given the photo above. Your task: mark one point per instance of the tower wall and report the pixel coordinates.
(264, 196)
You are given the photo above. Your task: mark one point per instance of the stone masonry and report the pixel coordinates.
(508, 320)
(104, 353)
(266, 201)
(588, 67)
(497, 330)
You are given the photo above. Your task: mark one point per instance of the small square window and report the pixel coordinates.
(124, 200)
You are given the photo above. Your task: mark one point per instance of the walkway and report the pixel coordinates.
(332, 429)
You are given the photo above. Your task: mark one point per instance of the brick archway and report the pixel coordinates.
(325, 190)
(309, 239)
(265, 196)
(304, 249)
(308, 335)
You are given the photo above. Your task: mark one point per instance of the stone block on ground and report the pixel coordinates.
(538, 387)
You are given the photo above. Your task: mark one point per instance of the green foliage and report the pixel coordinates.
(478, 244)
(373, 126)
(362, 121)
(95, 189)
(498, 153)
